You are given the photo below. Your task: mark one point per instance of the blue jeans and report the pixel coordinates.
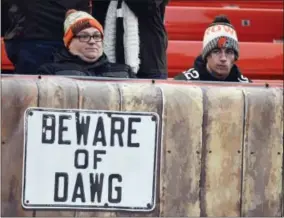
(28, 55)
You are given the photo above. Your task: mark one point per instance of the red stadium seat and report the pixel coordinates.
(5, 62)
(255, 25)
(277, 4)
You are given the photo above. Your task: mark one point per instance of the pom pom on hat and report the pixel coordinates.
(221, 19)
(76, 21)
(220, 33)
(70, 11)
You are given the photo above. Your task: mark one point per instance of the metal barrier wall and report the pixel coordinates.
(221, 147)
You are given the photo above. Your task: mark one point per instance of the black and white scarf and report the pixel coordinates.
(122, 42)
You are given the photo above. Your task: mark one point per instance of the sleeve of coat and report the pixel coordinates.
(99, 10)
(144, 7)
(45, 69)
(83, 5)
(19, 3)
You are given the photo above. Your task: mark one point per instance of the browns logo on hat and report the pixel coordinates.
(220, 34)
(76, 21)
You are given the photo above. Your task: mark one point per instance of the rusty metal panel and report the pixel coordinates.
(16, 96)
(181, 153)
(143, 98)
(57, 93)
(97, 96)
(221, 152)
(262, 180)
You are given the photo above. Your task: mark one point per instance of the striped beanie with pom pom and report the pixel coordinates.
(220, 34)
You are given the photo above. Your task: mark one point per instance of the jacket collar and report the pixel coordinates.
(64, 56)
(200, 66)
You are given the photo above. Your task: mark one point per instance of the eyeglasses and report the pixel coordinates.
(87, 38)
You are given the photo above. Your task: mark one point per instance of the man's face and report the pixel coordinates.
(87, 44)
(220, 62)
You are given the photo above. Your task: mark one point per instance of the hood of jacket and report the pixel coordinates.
(200, 66)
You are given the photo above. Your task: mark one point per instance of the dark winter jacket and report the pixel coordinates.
(40, 19)
(200, 72)
(66, 63)
(152, 34)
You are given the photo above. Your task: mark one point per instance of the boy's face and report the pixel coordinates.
(220, 61)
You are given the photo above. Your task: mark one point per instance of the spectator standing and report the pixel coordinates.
(136, 35)
(35, 31)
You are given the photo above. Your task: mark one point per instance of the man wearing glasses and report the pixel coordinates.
(219, 54)
(83, 53)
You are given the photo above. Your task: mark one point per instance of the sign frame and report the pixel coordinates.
(150, 207)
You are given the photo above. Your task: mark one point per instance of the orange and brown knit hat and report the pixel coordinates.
(76, 21)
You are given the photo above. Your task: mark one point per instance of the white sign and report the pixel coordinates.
(82, 159)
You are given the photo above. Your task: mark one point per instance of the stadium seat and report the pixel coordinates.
(277, 4)
(5, 62)
(257, 60)
(255, 25)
